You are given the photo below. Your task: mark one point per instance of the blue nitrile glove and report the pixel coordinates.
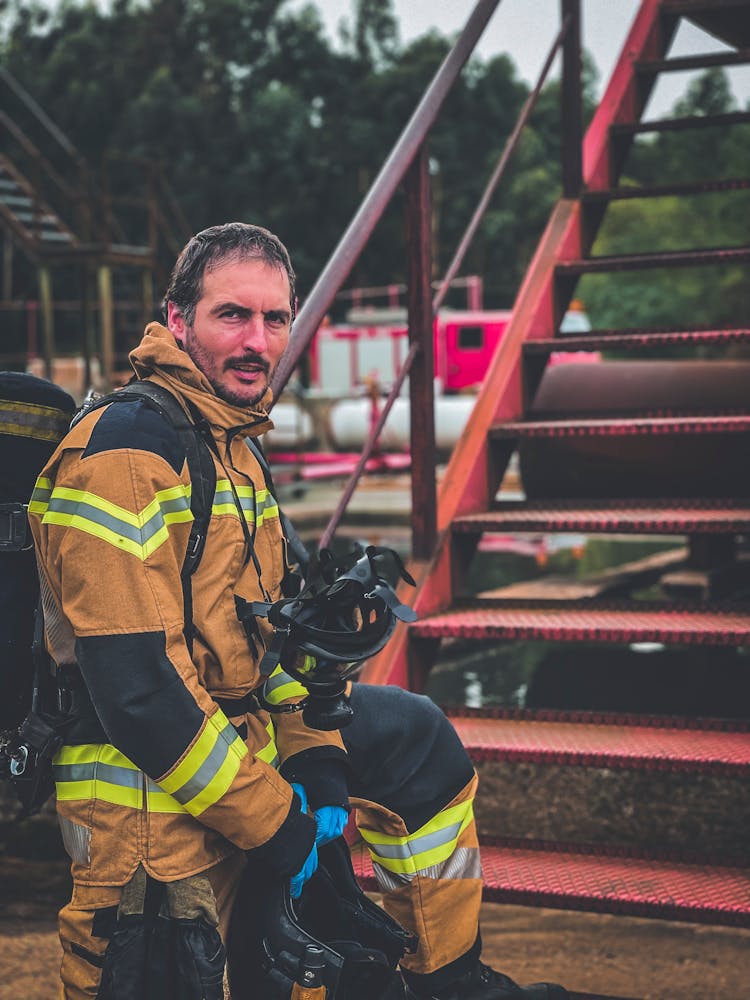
(311, 861)
(331, 821)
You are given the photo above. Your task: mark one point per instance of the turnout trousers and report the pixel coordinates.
(412, 786)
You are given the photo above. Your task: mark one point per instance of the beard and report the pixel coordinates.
(217, 373)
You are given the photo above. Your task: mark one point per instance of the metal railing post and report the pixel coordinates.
(571, 102)
(421, 385)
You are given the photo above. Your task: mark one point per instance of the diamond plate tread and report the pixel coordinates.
(676, 124)
(679, 64)
(620, 426)
(671, 518)
(642, 261)
(577, 624)
(637, 340)
(632, 191)
(631, 747)
(605, 884)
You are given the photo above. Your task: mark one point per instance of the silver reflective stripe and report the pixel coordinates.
(464, 863)
(277, 680)
(417, 845)
(223, 497)
(208, 769)
(41, 494)
(77, 841)
(126, 777)
(88, 512)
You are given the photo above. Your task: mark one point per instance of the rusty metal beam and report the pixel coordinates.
(421, 378)
(571, 102)
(394, 169)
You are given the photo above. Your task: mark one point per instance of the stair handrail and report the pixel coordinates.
(393, 171)
(41, 116)
(29, 147)
(463, 246)
(82, 173)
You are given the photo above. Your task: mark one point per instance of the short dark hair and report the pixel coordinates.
(213, 246)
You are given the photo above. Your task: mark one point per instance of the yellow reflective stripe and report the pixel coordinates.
(193, 759)
(90, 753)
(97, 771)
(40, 495)
(138, 534)
(266, 506)
(103, 791)
(269, 753)
(257, 505)
(209, 767)
(160, 802)
(431, 845)
(280, 686)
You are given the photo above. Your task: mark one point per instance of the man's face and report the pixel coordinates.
(240, 329)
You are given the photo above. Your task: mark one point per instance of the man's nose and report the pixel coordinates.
(254, 334)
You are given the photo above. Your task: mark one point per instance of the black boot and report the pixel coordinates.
(483, 983)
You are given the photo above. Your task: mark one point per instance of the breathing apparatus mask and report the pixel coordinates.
(345, 612)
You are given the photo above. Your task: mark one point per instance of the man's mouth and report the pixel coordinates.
(249, 369)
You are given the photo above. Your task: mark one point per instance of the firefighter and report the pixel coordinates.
(178, 777)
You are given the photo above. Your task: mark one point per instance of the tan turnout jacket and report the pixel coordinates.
(176, 786)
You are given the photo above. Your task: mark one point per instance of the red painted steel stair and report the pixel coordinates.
(604, 883)
(591, 469)
(620, 743)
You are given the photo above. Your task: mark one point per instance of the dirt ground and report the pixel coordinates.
(619, 957)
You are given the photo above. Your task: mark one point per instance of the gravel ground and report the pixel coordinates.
(591, 953)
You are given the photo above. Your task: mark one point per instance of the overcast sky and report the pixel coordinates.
(525, 29)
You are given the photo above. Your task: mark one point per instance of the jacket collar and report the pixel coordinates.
(159, 356)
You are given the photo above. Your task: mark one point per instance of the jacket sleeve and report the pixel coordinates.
(111, 526)
(314, 758)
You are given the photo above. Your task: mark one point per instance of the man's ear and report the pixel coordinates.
(176, 323)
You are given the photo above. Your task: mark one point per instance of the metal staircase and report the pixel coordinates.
(664, 465)
(31, 221)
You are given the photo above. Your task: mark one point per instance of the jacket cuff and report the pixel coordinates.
(323, 772)
(287, 849)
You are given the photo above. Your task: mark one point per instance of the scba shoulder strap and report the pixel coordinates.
(200, 466)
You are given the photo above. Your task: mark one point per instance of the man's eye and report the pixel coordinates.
(275, 319)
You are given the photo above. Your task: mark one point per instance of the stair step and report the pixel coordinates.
(592, 880)
(643, 261)
(51, 234)
(633, 191)
(633, 340)
(669, 518)
(678, 124)
(27, 217)
(649, 67)
(589, 622)
(615, 426)
(23, 201)
(612, 746)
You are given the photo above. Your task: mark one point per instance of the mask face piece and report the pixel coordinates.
(346, 612)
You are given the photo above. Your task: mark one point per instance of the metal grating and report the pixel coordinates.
(590, 745)
(667, 518)
(607, 884)
(677, 626)
(623, 426)
(644, 261)
(637, 340)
